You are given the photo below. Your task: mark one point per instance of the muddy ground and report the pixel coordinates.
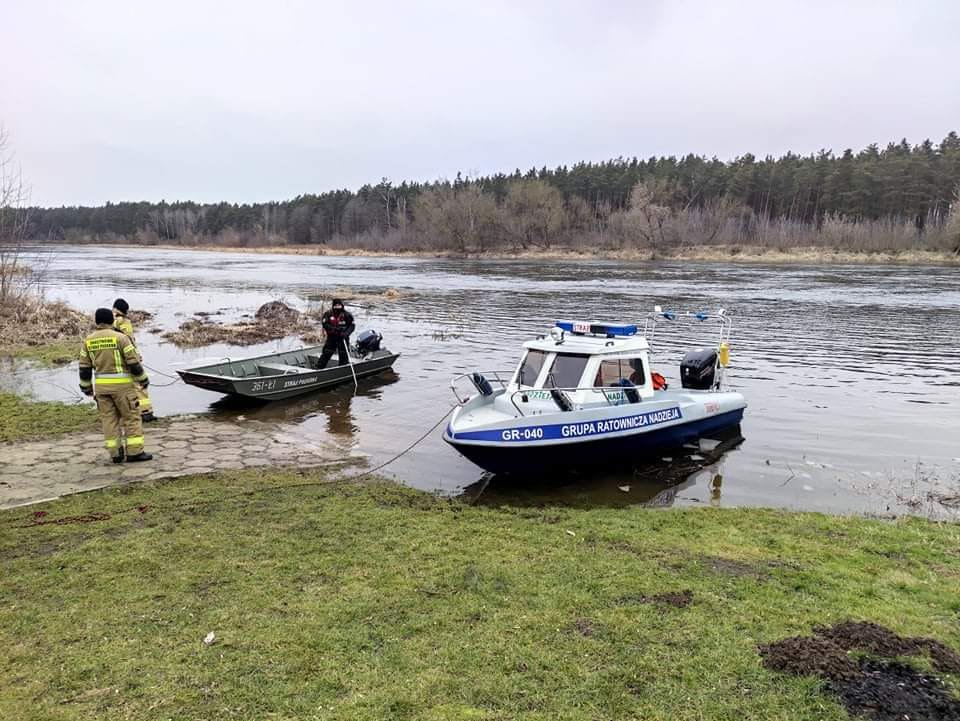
(859, 663)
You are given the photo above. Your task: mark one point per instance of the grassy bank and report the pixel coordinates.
(347, 601)
(53, 353)
(21, 418)
(706, 253)
(48, 332)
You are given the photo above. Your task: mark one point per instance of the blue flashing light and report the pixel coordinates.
(607, 329)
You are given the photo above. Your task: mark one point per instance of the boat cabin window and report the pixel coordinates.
(530, 368)
(566, 372)
(614, 369)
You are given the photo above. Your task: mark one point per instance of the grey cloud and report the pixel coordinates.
(247, 101)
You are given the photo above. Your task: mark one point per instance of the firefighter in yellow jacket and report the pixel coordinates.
(110, 370)
(122, 323)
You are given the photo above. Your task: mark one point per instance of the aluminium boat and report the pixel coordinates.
(584, 394)
(290, 373)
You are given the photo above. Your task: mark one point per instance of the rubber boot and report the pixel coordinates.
(119, 457)
(140, 457)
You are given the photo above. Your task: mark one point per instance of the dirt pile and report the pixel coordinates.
(277, 312)
(272, 321)
(874, 685)
(139, 317)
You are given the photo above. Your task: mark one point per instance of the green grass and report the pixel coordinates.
(56, 353)
(348, 601)
(21, 418)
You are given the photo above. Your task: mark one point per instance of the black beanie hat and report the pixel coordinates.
(121, 305)
(336, 302)
(103, 316)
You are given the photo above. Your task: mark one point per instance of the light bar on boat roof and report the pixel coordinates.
(579, 327)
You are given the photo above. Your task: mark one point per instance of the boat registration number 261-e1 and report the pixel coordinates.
(260, 386)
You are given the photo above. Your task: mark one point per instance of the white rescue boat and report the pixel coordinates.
(585, 394)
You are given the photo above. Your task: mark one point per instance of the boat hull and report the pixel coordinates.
(272, 388)
(579, 452)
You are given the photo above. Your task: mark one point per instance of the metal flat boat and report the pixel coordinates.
(584, 394)
(290, 373)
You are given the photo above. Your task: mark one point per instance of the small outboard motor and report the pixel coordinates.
(698, 369)
(368, 342)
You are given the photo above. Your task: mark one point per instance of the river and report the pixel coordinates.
(852, 373)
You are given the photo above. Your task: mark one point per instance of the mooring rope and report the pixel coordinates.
(176, 379)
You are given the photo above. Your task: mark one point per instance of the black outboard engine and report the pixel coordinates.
(698, 368)
(368, 342)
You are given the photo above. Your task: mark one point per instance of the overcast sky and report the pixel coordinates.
(245, 101)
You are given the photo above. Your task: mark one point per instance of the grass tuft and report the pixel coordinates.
(22, 419)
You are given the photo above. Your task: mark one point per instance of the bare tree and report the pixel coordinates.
(465, 215)
(646, 217)
(535, 212)
(16, 279)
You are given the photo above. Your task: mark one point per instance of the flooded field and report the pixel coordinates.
(852, 373)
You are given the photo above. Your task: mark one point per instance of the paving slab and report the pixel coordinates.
(35, 471)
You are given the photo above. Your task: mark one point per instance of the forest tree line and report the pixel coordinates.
(898, 197)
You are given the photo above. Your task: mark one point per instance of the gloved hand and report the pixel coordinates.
(86, 391)
(145, 383)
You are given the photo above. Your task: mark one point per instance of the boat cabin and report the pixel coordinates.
(588, 363)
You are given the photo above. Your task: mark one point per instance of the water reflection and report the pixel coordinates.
(657, 481)
(334, 405)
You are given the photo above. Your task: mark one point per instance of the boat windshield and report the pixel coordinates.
(530, 367)
(613, 370)
(566, 371)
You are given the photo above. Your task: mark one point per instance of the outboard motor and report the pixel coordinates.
(698, 369)
(368, 342)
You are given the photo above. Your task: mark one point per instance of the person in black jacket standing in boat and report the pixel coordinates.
(338, 325)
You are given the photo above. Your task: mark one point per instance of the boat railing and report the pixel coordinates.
(721, 316)
(501, 378)
(612, 395)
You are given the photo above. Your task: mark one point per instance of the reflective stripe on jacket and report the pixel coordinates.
(111, 356)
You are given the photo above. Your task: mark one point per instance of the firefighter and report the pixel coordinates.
(110, 370)
(122, 323)
(338, 325)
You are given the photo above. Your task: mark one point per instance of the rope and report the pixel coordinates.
(407, 449)
(350, 361)
(176, 379)
(39, 518)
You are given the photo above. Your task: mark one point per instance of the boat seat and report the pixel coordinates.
(278, 369)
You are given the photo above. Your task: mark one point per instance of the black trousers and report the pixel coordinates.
(334, 344)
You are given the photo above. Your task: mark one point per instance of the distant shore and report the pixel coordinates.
(713, 254)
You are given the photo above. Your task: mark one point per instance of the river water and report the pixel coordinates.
(852, 373)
